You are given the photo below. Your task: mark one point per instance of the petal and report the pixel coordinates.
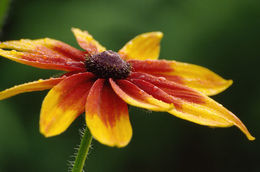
(44, 53)
(189, 104)
(196, 77)
(45, 46)
(87, 42)
(107, 115)
(134, 96)
(142, 47)
(29, 87)
(146, 81)
(64, 103)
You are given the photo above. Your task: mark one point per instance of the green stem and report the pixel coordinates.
(83, 151)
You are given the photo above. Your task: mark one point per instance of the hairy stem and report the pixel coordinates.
(83, 151)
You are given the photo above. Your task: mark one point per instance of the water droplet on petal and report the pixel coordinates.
(162, 78)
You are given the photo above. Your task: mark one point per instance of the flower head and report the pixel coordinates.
(102, 82)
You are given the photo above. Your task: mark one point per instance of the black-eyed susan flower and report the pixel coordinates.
(102, 82)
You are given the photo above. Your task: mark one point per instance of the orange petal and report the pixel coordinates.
(134, 96)
(29, 87)
(151, 84)
(44, 53)
(142, 47)
(189, 104)
(87, 42)
(196, 77)
(64, 103)
(46, 46)
(107, 115)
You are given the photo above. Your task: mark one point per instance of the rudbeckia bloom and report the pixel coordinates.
(102, 82)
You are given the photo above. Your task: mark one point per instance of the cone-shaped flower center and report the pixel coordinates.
(108, 64)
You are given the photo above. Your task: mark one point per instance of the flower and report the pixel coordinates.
(102, 83)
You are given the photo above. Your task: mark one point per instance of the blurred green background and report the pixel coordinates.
(222, 35)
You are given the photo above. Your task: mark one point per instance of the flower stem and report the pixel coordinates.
(83, 151)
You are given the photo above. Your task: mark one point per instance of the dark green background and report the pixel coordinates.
(222, 35)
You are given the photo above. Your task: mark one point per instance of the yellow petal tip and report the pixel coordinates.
(251, 138)
(45, 132)
(229, 83)
(156, 36)
(74, 29)
(159, 34)
(79, 32)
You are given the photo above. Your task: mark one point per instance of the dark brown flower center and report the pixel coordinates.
(108, 64)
